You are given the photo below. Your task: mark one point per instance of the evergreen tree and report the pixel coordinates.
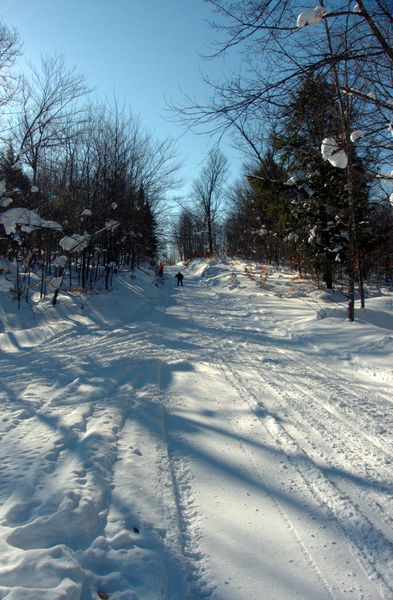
(258, 224)
(320, 218)
(17, 183)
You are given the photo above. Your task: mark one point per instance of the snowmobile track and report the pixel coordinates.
(340, 506)
(347, 514)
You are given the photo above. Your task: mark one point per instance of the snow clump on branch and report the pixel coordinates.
(60, 261)
(56, 282)
(111, 225)
(26, 219)
(292, 180)
(75, 242)
(331, 152)
(4, 202)
(292, 237)
(313, 16)
(356, 135)
(313, 235)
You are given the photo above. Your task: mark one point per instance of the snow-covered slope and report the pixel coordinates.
(229, 440)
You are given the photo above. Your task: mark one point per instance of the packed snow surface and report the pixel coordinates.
(228, 440)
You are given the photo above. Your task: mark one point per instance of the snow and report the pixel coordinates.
(292, 237)
(75, 242)
(60, 261)
(311, 16)
(111, 225)
(331, 152)
(328, 147)
(313, 235)
(228, 440)
(4, 202)
(357, 135)
(27, 220)
(56, 282)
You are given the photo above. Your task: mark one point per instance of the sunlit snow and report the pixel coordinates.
(331, 152)
(228, 440)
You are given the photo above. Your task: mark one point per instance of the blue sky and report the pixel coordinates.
(140, 51)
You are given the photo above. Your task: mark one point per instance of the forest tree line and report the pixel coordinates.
(81, 183)
(312, 109)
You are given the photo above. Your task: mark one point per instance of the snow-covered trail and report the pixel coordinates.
(281, 506)
(167, 447)
(87, 492)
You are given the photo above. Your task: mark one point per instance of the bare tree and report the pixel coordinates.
(208, 192)
(9, 50)
(186, 235)
(278, 55)
(50, 108)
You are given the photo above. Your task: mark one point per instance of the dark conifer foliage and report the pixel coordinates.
(16, 181)
(293, 206)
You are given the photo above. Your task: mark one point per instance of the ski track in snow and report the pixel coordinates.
(371, 546)
(159, 459)
(66, 493)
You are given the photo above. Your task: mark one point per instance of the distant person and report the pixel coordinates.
(161, 270)
(179, 278)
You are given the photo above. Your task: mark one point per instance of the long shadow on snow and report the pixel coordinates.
(222, 470)
(153, 373)
(155, 414)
